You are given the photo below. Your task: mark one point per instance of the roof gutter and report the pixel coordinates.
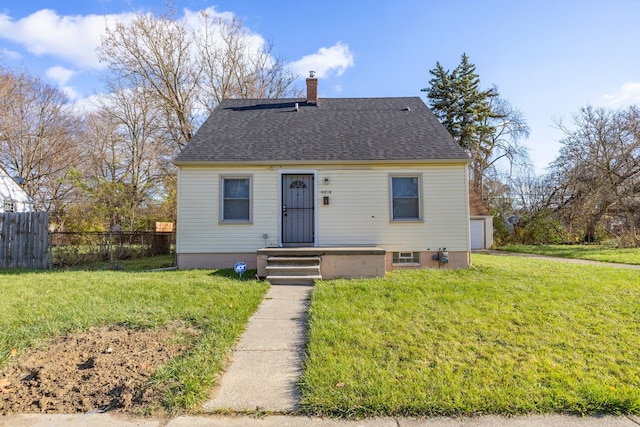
(320, 162)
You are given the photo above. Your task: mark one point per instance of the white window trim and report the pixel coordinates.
(221, 219)
(420, 197)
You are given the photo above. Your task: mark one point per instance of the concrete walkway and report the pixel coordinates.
(267, 361)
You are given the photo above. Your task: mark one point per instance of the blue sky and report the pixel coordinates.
(548, 58)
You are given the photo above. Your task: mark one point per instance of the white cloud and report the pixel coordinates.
(71, 92)
(72, 38)
(193, 19)
(59, 74)
(196, 22)
(11, 54)
(328, 60)
(628, 94)
(89, 104)
(75, 38)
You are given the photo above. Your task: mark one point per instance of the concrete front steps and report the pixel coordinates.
(293, 270)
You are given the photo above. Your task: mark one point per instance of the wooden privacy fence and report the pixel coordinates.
(24, 240)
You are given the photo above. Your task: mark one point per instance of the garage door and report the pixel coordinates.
(477, 234)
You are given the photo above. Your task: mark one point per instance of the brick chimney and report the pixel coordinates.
(312, 88)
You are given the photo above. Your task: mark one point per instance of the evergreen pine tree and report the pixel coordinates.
(465, 110)
(442, 98)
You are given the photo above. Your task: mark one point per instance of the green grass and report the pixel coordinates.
(36, 306)
(135, 264)
(590, 252)
(510, 336)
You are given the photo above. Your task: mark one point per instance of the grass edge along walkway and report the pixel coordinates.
(509, 336)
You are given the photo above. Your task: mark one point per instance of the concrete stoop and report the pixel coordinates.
(293, 270)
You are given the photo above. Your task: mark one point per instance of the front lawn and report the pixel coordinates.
(591, 252)
(509, 336)
(37, 305)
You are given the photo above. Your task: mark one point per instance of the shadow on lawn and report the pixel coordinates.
(16, 271)
(247, 276)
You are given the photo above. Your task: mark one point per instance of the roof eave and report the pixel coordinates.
(318, 162)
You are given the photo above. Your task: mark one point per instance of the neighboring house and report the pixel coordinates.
(365, 185)
(12, 197)
(481, 224)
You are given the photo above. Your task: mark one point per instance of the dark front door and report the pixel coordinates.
(297, 210)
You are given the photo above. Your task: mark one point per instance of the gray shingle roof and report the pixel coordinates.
(336, 129)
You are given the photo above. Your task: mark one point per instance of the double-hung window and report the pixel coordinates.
(406, 197)
(235, 199)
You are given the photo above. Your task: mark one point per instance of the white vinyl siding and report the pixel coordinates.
(358, 213)
(199, 225)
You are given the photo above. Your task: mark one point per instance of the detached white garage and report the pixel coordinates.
(480, 224)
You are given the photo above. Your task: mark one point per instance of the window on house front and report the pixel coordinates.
(236, 199)
(406, 198)
(9, 206)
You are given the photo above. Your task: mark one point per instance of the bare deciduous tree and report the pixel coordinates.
(237, 64)
(190, 69)
(125, 156)
(38, 137)
(598, 169)
(165, 75)
(157, 53)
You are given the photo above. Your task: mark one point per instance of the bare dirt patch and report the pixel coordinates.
(105, 369)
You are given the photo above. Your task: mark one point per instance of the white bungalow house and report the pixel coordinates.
(12, 197)
(327, 187)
